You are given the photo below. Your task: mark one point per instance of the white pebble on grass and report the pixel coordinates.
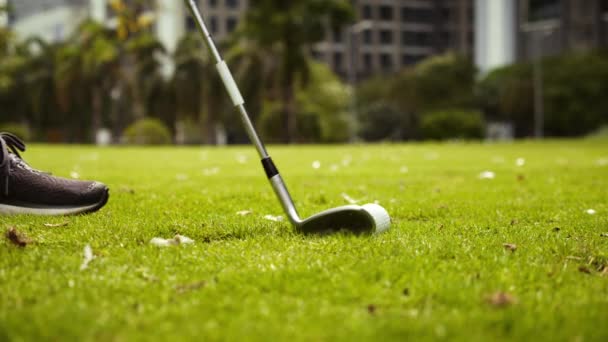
(487, 175)
(211, 171)
(520, 162)
(242, 159)
(591, 211)
(74, 175)
(88, 257)
(498, 160)
(273, 218)
(175, 241)
(316, 164)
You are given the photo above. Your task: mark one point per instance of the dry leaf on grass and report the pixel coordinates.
(584, 269)
(175, 241)
(56, 225)
(372, 309)
(510, 246)
(501, 299)
(190, 287)
(17, 238)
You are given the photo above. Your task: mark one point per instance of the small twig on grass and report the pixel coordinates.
(181, 289)
(56, 225)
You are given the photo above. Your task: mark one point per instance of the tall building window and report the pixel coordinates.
(337, 35)
(386, 13)
(190, 23)
(338, 60)
(367, 36)
(366, 12)
(212, 3)
(386, 37)
(543, 9)
(317, 55)
(416, 38)
(213, 25)
(232, 4)
(367, 62)
(231, 23)
(416, 15)
(408, 59)
(386, 61)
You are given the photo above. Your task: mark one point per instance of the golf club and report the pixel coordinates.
(365, 219)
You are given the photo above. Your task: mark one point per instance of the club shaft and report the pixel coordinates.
(278, 185)
(217, 58)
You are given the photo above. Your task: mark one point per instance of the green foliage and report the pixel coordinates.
(323, 110)
(327, 99)
(381, 121)
(574, 88)
(439, 83)
(286, 30)
(18, 129)
(147, 132)
(599, 134)
(452, 124)
(575, 94)
(507, 94)
(391, 108)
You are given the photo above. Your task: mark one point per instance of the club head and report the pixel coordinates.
(365, 219)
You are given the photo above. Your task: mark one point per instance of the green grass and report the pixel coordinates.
(428, 277)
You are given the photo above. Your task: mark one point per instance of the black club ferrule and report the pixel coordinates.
(269, 167)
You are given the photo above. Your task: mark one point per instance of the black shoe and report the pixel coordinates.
(24, 190)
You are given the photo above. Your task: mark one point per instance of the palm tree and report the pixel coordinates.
(288, 29)
(199, 89)
(87, 61)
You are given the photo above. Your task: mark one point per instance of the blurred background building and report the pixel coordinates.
(561, 25)
(53, 20)
(388, 35)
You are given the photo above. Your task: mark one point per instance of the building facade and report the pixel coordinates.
(390, 35)
(53, 20)
(522, 30)
(387, 35)
(549, 27)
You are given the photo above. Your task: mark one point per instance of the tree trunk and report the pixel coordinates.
(130, 73)
(208, 123)
(289, 110)
(97, 107)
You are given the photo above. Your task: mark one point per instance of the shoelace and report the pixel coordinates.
(8, 143)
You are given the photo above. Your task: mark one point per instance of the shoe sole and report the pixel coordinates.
(7, 209)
